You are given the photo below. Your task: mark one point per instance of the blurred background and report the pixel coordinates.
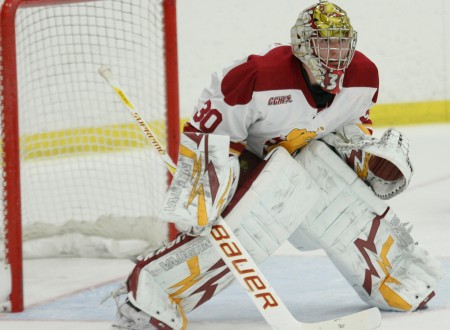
(409, 41)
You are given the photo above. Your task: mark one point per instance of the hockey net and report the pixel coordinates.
(89, 184)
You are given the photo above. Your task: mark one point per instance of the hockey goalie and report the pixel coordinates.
(280, 147)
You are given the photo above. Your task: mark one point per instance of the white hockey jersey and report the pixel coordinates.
(263, 101)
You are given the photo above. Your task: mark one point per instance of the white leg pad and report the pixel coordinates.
(190, 271)
(153, 300)
(278, 200)
(363, 237)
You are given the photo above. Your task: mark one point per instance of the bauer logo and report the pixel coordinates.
(276, 100)
(243, 267)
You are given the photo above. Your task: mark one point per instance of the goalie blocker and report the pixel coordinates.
(319, 199)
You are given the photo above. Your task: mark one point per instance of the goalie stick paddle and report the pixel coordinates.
(239, 261)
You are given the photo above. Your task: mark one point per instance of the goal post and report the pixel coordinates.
(67, 145)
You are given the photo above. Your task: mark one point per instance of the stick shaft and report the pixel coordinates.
(107, 75)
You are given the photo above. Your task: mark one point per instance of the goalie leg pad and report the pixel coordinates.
(265, 211)
(273, 205)
(394, 273)
(364, 238)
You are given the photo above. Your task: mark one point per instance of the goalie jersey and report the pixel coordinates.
(266, 100)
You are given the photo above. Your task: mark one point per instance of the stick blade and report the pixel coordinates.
(366, 320)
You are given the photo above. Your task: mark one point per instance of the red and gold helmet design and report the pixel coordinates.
(325, 41)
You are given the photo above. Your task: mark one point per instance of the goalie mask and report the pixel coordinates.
(324, 40)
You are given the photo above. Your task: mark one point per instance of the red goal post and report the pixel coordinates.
(48, 72)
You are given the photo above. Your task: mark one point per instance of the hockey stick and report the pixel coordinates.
(239, 261)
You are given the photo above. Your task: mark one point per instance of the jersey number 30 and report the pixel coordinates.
(208, 118)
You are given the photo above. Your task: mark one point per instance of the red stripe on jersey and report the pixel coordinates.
(280, 69)
(276, 70)
(362, 72)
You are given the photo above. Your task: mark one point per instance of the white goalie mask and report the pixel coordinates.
(324, 40)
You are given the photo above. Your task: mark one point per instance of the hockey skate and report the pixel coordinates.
(130, 317)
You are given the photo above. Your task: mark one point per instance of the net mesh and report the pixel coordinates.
(91, 184)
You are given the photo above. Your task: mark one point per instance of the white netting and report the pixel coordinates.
(91, 183)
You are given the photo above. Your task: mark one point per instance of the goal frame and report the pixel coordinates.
(10, 123)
